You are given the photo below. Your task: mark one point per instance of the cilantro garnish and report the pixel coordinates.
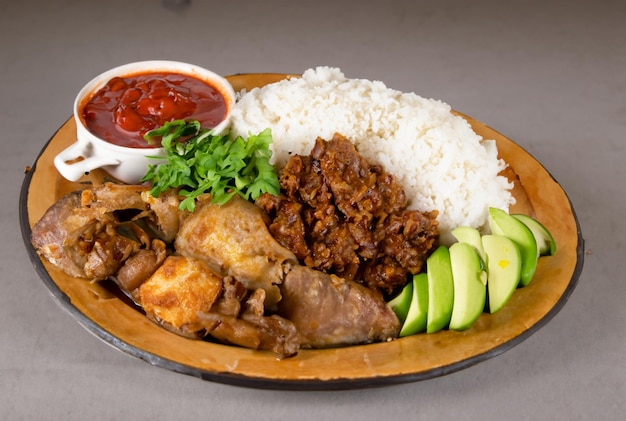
(199, 162)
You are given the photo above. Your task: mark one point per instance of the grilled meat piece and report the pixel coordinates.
(49, 235)
(82, 240)
(330, 311)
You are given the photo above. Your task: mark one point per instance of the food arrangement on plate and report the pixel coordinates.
(323, 212)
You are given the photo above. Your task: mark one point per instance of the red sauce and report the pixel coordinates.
(123, 110)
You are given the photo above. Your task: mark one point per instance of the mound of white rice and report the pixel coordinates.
(436, 156)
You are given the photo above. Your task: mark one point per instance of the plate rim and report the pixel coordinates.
(250, 381)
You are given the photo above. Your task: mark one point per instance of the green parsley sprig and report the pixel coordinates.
(199, 161)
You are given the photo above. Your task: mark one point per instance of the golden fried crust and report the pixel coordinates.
(233, 240)
(180, 289)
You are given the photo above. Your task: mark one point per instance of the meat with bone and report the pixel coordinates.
(233, 287)
(53, 236)
(93, 233)
(233, 240)
(188, 298)
(326, 310)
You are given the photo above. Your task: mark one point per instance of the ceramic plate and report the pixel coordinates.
(107, 315)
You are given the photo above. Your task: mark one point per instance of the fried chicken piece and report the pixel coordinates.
(233, 240)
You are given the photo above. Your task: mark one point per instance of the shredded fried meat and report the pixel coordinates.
(342, 215)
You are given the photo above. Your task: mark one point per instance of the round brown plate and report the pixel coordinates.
(413, 358)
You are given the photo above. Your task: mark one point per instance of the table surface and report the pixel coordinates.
(551, 75)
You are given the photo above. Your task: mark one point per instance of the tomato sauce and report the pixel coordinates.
(123, 110)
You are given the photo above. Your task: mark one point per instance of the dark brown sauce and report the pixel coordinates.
(112, 287)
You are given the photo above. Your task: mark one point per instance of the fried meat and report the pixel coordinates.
(342, 215)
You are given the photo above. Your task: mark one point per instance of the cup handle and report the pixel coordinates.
(73, 171)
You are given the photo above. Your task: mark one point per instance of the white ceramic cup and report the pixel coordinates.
(126, 164)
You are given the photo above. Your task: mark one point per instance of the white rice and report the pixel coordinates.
(439, 160)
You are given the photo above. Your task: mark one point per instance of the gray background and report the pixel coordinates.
(549, 74)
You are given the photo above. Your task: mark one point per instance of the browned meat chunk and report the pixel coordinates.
(342, 215)
(50, 233)
(178, 291)
(329, 311)
(252, 329)
(111, 197)
(233, 240)
(82, 240)
(185, 296)
(139, 266)
(93, 233)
